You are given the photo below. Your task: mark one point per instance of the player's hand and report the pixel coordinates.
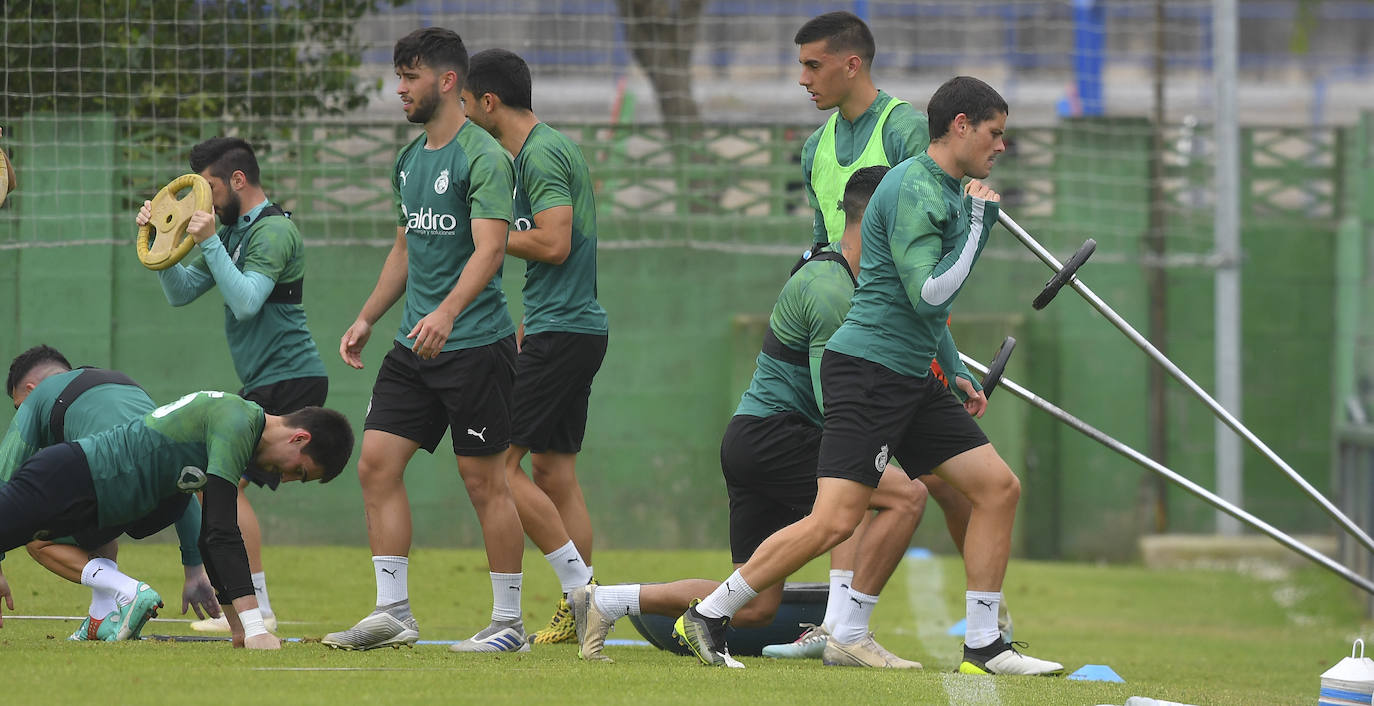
(201, 226)
(979, 190)
(9, 598)
(145, 214)
(352, 342)
(520, 337)
(976, 403)
(197, 593)
(265, 641)
(431, 333)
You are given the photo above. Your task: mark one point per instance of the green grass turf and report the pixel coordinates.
(1194, 636)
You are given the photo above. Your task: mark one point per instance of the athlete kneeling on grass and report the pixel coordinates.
(201, 442)
(55, 404)
(921, 238)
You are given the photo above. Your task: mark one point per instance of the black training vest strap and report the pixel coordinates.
(89, 377)
(285, 292)
(776, 349)
(813, 256)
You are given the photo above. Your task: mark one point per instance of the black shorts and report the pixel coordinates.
(163, 516)
(873, 414)
(279, 398)
(50, 496)
(770, 473)
(553, 382)
(468, 390)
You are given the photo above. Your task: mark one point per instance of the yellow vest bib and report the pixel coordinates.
(829, 177)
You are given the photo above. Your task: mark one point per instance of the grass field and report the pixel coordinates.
(1195, 636)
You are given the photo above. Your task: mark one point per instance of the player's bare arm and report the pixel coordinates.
(489, 241)
(550, 240)
(391, 284)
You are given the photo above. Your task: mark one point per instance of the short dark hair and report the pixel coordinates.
(225, 155)
(967, 95)
(434, 47)
(842, 31)
(502, 73)
(331, 438)
(25, 362)
(859, 190)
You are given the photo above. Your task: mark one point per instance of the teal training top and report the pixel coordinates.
(906, 133)
(438, 192)
(273, 344)
(809, 309)
(921, 238)
(550, 171)
(172, 449)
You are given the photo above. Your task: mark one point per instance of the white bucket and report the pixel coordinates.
(1350, 682)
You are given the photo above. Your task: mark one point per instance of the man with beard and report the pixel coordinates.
(452, 363)
(257, 260)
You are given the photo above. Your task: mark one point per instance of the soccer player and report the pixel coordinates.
(922, 236)
(201, 442)
(257, 260)
(452, 363)
(768, 456)
(564, 330)
(868, 128)
(55, 404)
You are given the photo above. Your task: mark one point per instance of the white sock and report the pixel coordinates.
(728, 598)
(391, 574)
(572, 572)
(981, 614)
(590, 573)
(839, 595)
(617, 601)
(260, 590)
(505, 596)
(110, 587)
(852, 624)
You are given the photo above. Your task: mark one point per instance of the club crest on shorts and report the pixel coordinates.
(190, 479)
(880, 461)
(441, 184)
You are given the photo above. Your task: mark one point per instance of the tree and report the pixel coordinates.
(661, 34)
(179, 61)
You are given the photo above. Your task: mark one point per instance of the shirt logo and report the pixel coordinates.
(190, 479)
(441, 184)
(403, 176)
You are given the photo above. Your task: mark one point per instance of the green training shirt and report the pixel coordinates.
(550, 171)
(172, 449)
(921, 238)
(438, 192)
(276, 344)
(809, 309)
(905, 133)
(97, 409)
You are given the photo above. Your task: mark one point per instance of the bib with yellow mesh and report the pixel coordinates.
(829, 177)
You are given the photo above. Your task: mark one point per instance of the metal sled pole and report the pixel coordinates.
(1179, 375)
(1188, 485)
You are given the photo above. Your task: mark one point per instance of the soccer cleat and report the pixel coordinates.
(591, 624)
(221, 624)
(95, 629)
(863, 653)
(128, 620)
(562, 627)
(380, 629)
(705, 637)
(497, 637)
(809, 646)
(1002, 657)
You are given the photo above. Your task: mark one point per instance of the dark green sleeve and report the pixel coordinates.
(905, 134)
(547, 178)
(18, 443)
(491, 186)
(188, 533)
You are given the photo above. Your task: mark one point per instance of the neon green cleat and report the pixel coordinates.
(705, 637)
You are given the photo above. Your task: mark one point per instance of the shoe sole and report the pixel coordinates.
(680, 632)
(786, 652)
(971, 668)
(408, 640)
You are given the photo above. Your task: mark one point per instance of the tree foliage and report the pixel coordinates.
(159, 60)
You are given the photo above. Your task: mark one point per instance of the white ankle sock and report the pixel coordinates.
(728, 598)
(839, 595)
(617, 601)
(567, 563)
(852, 624)
(108, 584)
(260, 590)
(505, 596)
(392, 580)
(981, 615)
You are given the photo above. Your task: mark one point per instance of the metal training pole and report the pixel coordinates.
(1188, 485)
(1145, 345)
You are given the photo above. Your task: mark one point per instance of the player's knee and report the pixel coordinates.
(831, 529)
(376, 474)
(910, 498)
(1002, 490)
(482, 487)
